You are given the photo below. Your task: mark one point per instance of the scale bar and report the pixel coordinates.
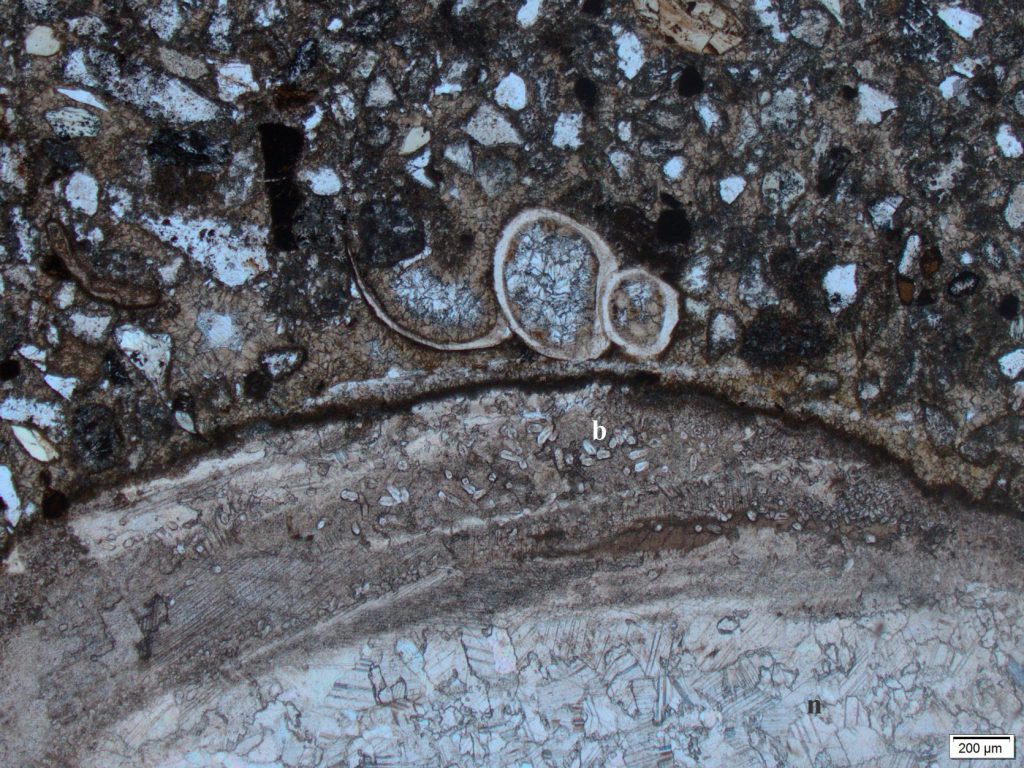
(982, 747)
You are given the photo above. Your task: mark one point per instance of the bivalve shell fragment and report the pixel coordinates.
(35, 443)
(698, 27)
(434, 301)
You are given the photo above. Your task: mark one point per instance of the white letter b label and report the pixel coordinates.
(600, 432)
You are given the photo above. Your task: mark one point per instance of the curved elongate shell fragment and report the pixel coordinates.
(119, 294)
(701, 27)
(35, 443)
(497, 334)
(670, 312)
(597, 341)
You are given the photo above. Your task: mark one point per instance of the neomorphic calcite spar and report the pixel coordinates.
(474, 582)
(560, 289)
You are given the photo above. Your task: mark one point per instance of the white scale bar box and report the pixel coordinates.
(976, 747)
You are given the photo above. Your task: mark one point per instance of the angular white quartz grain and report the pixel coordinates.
(911, 253)
(88, 25)
(185, 421)
(869, 391)
(417, 168)
(696, 278)
(415, 139)
(380, 93)
(708, 115)
(9, 496)
(73, 123)
(1012, 363)
(165, 19)
(82, 97)
(967, 66)
(322, 181)
(1014, 213)
(883, 211)
(25, 235)
(149, 352)
(219, 27)
(12, 166)
(511, 92)
(35, 443)
(490, 128)
(960, 20)
(451, 82)
(312, 122)
(234, 252)
(723, 330)
(169, 271)
(344, 106)
(629, 50)
(173, 100)
(951, 86)
(23, 410)
(782, 188)
(460, 155)
(91, 328)
(62, 385)
(82, 193)
(769, 17)
(366, 63)
(33, 353)
(754, 290)
(280, 363)
(40, 41)
(731, 187)
(528, 13)
(840, 284)
(234, 80)
(621, 162)
(873, 104)
(946, 175)
(566, 134)
(1008, 144)
(76, 70)
(270, 12)
(674, 168)
(219, 331)
(65, 297)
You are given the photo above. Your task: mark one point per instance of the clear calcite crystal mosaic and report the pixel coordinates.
(549, 272)
(510, 382)
(639, 311)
